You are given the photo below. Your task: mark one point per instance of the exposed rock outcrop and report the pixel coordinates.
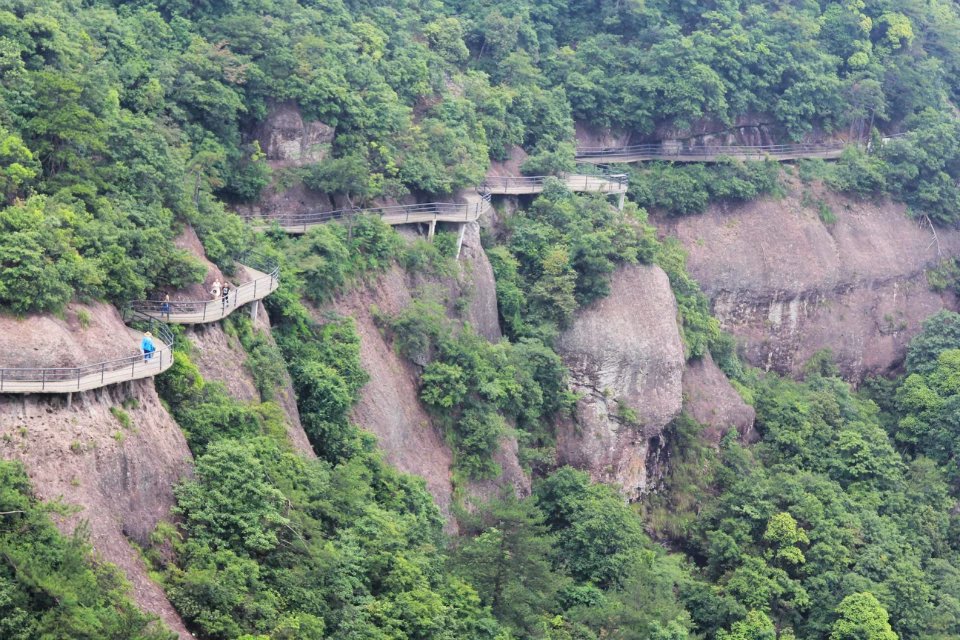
(85, 334)
(389, 406)
(120, 477)
(626, 361)
(789, 285)
(710, 399)
(288, 140)
(478, 284)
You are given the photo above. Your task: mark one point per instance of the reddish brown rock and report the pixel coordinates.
(626, 361)
(710, 399)
(789, 285)
(120, 479)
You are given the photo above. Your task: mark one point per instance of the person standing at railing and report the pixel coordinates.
(216, 289)
(226, 294)
(147, 346)
(165, 306)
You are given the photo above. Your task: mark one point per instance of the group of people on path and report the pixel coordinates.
(218, 291)
(221, 291)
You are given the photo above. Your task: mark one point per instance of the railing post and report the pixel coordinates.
(204, 318)
(102, 367)
(1, 379)
(78, 378)
(255, 288)
(133, 369)
(43, 379)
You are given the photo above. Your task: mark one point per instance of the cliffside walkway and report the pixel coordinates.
(265, 278)
(615, 183)
(151, 316)
(99, 374)
(678, 153)
(429, 213)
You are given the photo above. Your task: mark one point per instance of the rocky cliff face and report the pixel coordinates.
(626, 364)
(710, 399)
(114, 453)
(389, 406)
(789, 285)
(476, 281)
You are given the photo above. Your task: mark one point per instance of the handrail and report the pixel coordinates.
(91, 376)
(670, 150)
(595, 182)
(212, 310)
(394, 214)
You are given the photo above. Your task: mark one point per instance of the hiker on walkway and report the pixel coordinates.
(226, 294)
(165, 306)
(216, 289)
(147, 346)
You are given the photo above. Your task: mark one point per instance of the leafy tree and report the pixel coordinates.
(861, 616)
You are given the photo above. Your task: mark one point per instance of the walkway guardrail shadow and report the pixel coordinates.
(100, 374)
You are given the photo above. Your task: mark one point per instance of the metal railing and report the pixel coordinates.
(265, 282)
(91, 376)
(591, 182)
(661, 151)
(395, 214)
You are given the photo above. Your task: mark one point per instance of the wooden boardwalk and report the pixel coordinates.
(678, 153)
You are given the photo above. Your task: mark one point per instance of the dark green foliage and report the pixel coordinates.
(688, 188)
(559, 255)
(790, 534)
(264, 360)
(941, 332)
(472, 385)
(330, 256)
(51, 585)
(270, 542)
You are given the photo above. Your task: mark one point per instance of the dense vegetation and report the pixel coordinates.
(51, 586)
(123, 121)
(120, 120)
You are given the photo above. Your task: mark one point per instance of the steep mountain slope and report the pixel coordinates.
(788, 284)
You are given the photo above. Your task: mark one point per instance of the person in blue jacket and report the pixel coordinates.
(147, 346)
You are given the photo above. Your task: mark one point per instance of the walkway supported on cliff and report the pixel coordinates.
(152, 316)
(615, 183)
(676, 152)
(428, 213)
(264, 280)
(97, 374)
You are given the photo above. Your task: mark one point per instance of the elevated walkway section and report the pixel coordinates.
(152, 316)
(97, 374)
(428, 213)
(675, 152)
(264, 280)
(582, 183)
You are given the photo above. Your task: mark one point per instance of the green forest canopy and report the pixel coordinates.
(121, 122)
